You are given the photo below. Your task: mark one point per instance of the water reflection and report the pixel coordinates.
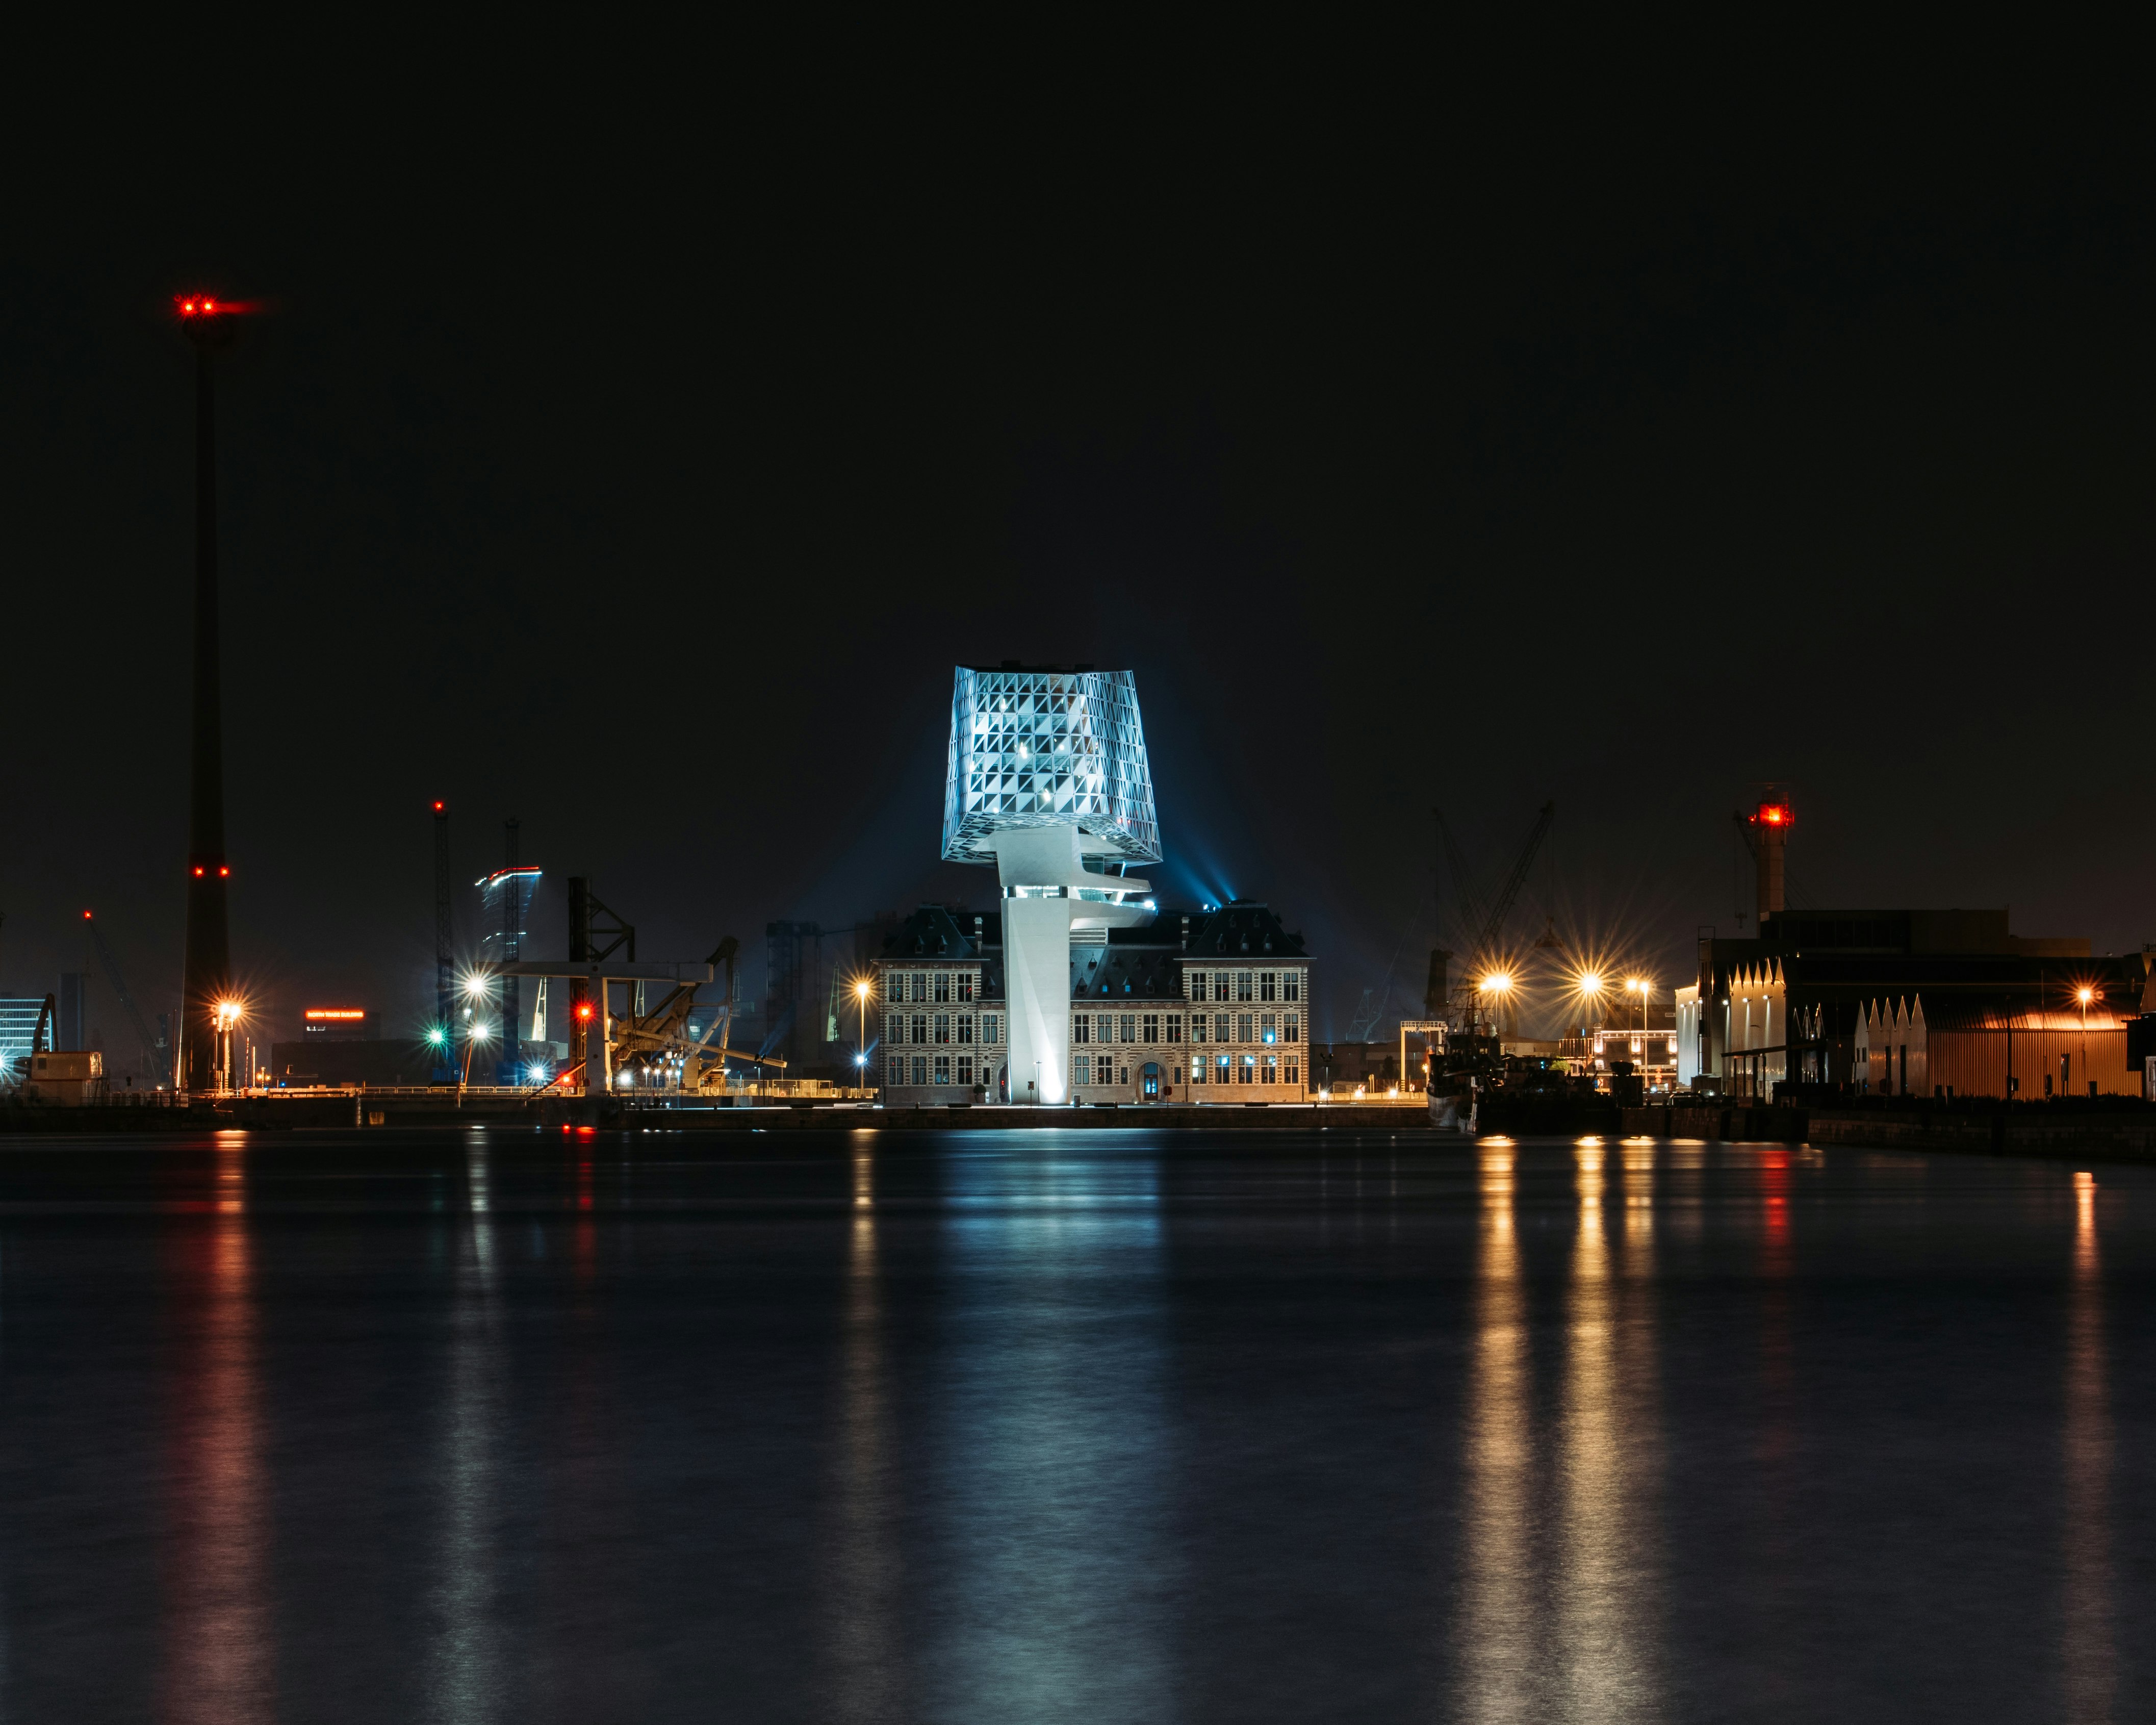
(1051, 1435)
(466, 1675)
(1605, 1561)
(2090, 1653)
(1497, 1617)
(863, 1593)
(216, 1665)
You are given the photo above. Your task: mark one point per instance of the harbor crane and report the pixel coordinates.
(1488, 923)
(154, 1069)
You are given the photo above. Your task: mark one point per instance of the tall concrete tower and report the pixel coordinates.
(1770, 843)
(1047, 779)
(205, 970)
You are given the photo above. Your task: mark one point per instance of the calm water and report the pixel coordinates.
(1070, 1425)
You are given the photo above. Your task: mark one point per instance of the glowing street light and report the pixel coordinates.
(224, 1014)
(861, 1056)
(2085, 995)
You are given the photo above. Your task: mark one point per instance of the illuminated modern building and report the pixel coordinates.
(505, 907)
(1047, 779)
(18, 1028)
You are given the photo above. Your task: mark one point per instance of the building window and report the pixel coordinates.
(1198, 1022)
(1081, 1069)
(1265, 1030)
(1292, 985)
(1153, 1027)
(1128, 1027)
(894, 985)
(966, 987)
(1197, 1069)
(965, 1027)
(942, 1027)
(1104, 1029)
(1289, 1073)
(966, 1070)
(1175, 1027)
(1242, 1026)
(894, 1028)
(1246, 1070)
(1272, 1068)
(987, 1027)
(896, 1071)
(1081, 1028)
(1242, 985)
(1220, 1065)
(942, 988)
(919, 985)
(920, 1026)
(1293, 1032)
(920, 1070)
(942, 1069)
(1268, 980)
(1122, 1075)
(1220, 983)
(1223, 1026)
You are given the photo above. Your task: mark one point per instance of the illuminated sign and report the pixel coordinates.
(336, 1015)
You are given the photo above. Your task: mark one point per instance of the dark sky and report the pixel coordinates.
(640, 466)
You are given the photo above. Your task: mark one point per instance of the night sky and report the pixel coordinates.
(640, 467)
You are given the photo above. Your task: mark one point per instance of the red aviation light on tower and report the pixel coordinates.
(1775, 814)
(194, 308)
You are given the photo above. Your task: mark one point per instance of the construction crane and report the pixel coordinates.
(1488, 925)
(1493, 925)
(155, 1068)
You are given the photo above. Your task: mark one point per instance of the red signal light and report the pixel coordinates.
(85, 915)
(584, 1009)
(1775, 815)
(198, 871)
(222, 871)
(438, 807)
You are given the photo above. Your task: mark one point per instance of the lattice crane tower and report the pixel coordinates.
(1048, 772)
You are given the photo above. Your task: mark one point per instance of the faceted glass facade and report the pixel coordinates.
(1043, 749)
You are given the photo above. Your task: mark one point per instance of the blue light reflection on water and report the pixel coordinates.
(1052, 1459)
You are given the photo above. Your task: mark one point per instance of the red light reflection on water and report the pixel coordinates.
(216, 1630)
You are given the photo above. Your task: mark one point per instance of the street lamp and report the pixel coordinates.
(478, 1034)
(2085, 995)
(862, 1057)
(223, 1015)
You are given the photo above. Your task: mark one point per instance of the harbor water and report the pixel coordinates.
(1070, 1425)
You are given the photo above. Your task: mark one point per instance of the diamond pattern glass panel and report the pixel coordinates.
(1048, 748)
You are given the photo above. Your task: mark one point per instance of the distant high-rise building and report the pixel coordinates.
(505, 904)
(18, 1023)
(71, 1026)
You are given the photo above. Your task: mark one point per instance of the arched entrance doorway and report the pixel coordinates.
(1149, 1082)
